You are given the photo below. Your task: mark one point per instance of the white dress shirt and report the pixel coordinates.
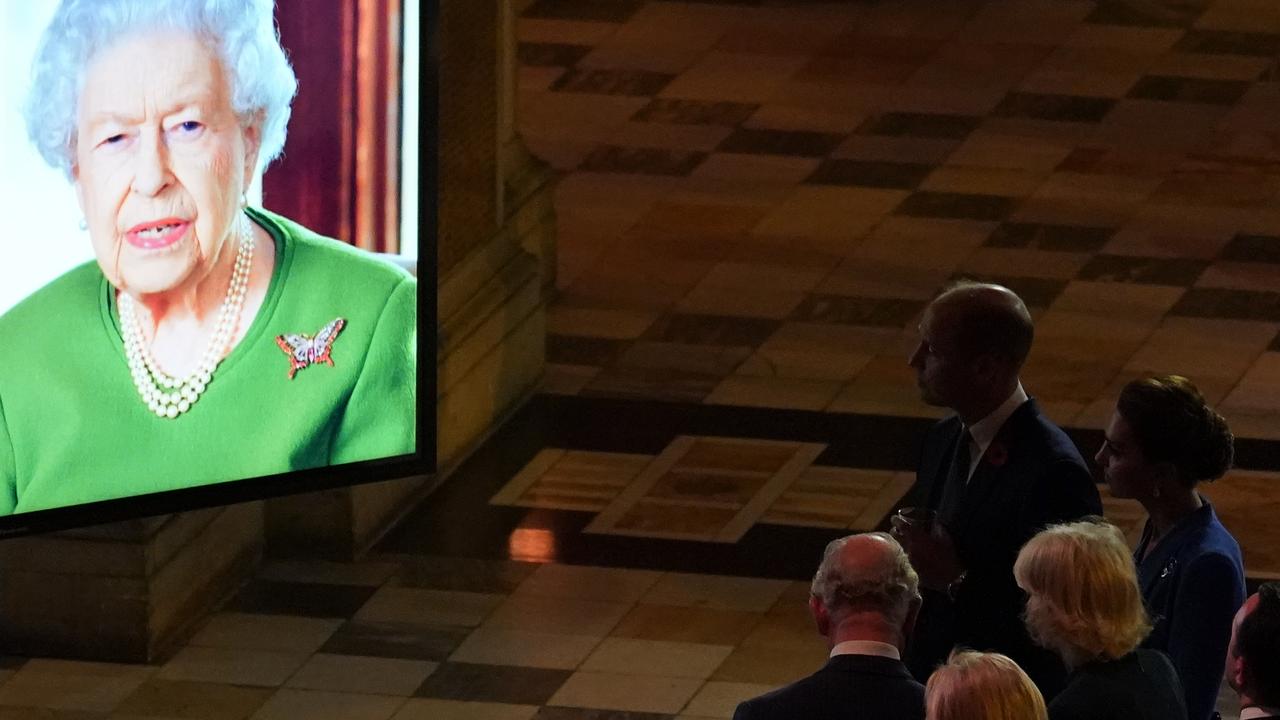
(866, 647)
(1257, 711)
(985, 430)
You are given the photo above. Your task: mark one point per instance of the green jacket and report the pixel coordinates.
(73, 428)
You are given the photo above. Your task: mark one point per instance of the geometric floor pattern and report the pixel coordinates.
(756, 199)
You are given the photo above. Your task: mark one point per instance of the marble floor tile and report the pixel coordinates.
(686, 624)
(472, 574)
(956, 178)
(558, 615)
(765, 391)
(293, 703)
(191, 701)
(656, 657)
(802, 118)
(829, 211)
(757, 169)
(896, 151)
(589, 583)
(72, 685)
(715, 592)
(524, 648)
(708, 299)
(598, 322)
(770, 665)
(367, 574)
(1245, 501)
(718, 699)
(247, 631)
(493, 683)
(357, 674)
(409, 641)
(259, 668)
(428, 607)
(437, 709)
(317, 600)
(1019, 262)
(636, 693)
(734, 77)
(1258, 277)
(962, 206)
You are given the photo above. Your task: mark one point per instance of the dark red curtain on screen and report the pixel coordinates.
(339, 174)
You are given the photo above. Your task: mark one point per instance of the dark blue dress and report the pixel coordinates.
(1193, 583)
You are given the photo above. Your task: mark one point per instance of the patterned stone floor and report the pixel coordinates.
(758, 198)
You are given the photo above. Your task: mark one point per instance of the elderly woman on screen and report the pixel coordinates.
(1083, 603)
(210, 340)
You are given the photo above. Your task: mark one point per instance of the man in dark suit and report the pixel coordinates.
(997, 472)
(864, 599)
(1253, 658)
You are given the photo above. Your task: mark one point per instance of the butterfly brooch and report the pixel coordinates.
(306, 350)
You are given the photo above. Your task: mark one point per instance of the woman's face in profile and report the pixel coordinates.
(161, 160)
(1127, 472)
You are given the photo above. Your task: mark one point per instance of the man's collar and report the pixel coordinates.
(985, 430)
(1258, 711)
(866, 647)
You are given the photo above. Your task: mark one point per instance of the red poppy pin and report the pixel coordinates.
(997, 454)
(305, 350)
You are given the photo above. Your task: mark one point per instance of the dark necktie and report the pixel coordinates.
(957, 479)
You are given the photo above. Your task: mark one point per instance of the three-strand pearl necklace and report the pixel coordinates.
(167, 396)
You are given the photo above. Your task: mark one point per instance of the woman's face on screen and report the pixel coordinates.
(161, 160)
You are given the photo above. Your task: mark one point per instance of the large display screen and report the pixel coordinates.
(172, 336)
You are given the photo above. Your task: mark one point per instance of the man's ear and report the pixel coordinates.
(820, 617)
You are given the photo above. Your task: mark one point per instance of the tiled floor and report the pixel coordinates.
(757, 198)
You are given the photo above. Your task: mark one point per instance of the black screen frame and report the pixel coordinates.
(421, 463)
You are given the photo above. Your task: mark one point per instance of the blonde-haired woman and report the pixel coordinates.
(1084, 604)
(982, 686)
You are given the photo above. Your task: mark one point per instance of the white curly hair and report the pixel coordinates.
(241, 32)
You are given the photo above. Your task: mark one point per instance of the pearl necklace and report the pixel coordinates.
(167, 396)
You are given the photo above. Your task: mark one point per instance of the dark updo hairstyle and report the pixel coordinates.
(1172, 423)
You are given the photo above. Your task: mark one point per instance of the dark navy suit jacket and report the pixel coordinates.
(848, 687)
(1193, 583)
(1031, 476)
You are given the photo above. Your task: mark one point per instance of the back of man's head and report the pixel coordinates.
(988, 319)
(866, 573)
(1258, 645)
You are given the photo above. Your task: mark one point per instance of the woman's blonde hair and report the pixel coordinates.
(982, 686)
(1084, 602)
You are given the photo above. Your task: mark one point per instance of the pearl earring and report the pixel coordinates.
(84, 224)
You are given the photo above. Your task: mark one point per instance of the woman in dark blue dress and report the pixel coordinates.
(1162, 441)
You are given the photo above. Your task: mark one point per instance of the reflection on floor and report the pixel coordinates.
(759, 197)
(595, 560)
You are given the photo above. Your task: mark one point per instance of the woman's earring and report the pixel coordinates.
(84, 224)
(244, 200)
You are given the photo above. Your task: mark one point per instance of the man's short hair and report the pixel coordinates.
(989, 319)
(1258, 642)
(889, 588)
